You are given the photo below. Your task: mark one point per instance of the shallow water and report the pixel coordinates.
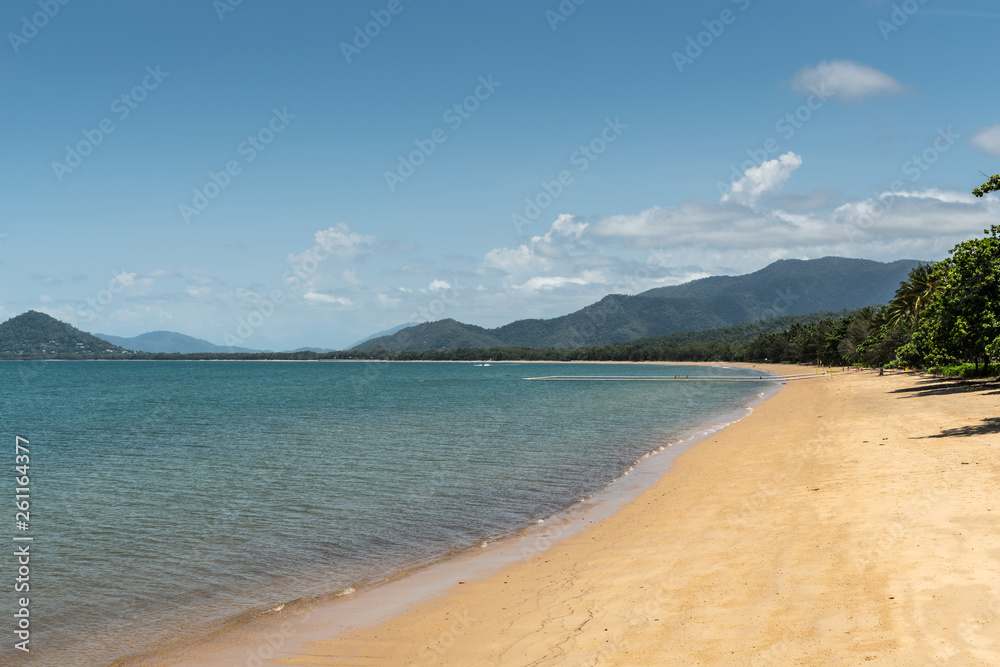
(171, 496)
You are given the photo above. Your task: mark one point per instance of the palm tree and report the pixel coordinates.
(913, 295)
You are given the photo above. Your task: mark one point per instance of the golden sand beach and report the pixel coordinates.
(851, 519)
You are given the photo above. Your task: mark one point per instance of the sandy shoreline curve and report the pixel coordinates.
(848, 520)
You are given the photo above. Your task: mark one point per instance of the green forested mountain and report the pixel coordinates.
(786, 287)
(444, 334)
(34, 335)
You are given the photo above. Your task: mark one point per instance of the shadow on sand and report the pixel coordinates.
(989, 426)
(935, 386)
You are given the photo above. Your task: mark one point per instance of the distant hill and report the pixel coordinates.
(33, 334)
(168, 342)
(380, 334)
(441, 335)
(786, 287)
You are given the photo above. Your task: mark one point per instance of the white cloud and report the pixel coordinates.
(161, 273)
(915, 224)
(315, 297)
(341, 241)
(767, 177)
(144, 314)
(988, 140)
(847, 80)
(439, 285)
(566, 226)
(576, 263)
(124, 278)
(512, 260)
(564, 240)
(386, 301)
(549, 283)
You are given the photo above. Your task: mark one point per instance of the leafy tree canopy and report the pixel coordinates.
(991, 185)
(962, 320)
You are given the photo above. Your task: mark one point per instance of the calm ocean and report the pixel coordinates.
(167, 497)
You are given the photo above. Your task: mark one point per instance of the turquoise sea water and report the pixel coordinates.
(168, 497)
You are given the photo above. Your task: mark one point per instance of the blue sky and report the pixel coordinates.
(266, 174)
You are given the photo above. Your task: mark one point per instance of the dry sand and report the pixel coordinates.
(849, 520)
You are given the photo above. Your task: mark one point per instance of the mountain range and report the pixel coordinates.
(169, 341)
(380, 334)
(786, 287)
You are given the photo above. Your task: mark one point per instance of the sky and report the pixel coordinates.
(305, 173)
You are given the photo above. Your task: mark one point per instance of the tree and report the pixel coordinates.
(992, 185)
(912, 295)
(962, 319)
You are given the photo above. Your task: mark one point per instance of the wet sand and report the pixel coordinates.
(850, 519)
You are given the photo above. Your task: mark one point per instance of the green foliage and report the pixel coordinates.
(992, 185)
(960, 370)
(913, 295)
(962, 319)
(34, 335)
